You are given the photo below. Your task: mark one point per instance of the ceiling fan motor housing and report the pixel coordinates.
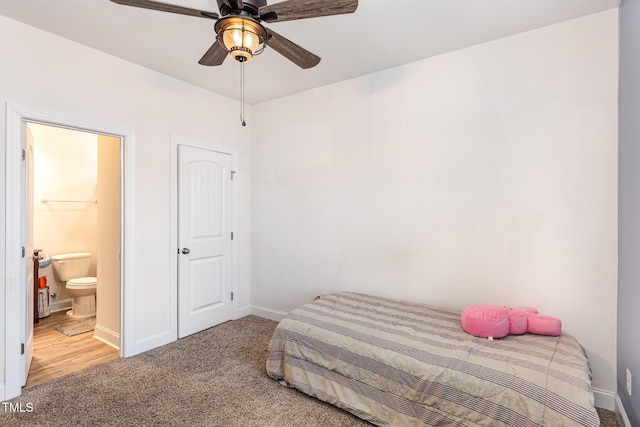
(251, 6)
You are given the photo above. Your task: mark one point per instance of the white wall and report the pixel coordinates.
(52, 74)
(486, 175)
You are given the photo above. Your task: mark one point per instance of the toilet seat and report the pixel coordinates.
(81, 282)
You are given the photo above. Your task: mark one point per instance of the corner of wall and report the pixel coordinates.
(107, 336)
(604, 399)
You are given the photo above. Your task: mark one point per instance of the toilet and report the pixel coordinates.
(73, 268)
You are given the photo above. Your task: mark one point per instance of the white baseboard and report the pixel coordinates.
(604, 399)
(107, 336)
(622, 414)
(62, 305)
(268, 313)
(243, 311)
(148, 343)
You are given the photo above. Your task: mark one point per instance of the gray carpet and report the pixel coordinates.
(214, 378)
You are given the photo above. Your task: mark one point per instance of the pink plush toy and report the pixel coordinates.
(497, 321)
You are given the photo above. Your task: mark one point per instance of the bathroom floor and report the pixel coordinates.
(55, 354)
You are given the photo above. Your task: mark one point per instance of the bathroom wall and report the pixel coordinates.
(108, 302)
(65, 168)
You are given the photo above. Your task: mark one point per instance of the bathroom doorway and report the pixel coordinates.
(76, 207)
(14, 285)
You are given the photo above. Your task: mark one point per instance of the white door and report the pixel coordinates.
(204, 237)
(27, 236)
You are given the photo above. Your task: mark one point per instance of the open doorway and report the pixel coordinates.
(76, 215)
(15, 255)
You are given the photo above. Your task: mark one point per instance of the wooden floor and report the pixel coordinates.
(55, 354)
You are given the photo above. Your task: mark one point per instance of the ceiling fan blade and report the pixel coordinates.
(302, 9)
(163, 7)
(294, 53)
(214, 56)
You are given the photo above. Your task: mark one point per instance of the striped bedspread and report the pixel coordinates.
(406, 364)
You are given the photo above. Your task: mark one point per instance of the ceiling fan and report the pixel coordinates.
(239, 29)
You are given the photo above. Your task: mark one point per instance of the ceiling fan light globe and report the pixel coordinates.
(241, 36)
(233, 37)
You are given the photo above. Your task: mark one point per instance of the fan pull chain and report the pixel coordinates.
(242, 93)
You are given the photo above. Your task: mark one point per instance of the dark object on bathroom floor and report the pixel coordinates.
(77, 327)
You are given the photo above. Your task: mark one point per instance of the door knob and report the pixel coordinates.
(185, 250)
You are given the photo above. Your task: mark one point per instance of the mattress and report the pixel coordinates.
(397, 363)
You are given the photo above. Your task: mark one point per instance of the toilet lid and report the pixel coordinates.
(83, 281)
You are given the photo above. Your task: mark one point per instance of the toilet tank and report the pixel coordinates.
(72, 265)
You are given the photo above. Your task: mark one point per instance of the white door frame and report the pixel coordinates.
(15, 117)
(175, 142)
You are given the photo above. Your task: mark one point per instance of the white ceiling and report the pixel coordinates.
(380, 34)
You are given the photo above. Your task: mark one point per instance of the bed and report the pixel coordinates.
(396, 363)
